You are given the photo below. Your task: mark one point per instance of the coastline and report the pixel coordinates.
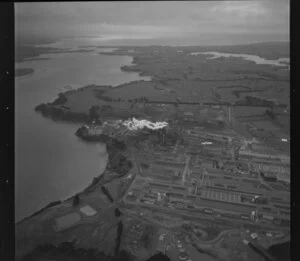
(110, 149)
(131, 66)
(72, 117)
(106, 176)
(61, 115)
(135, 66)
(26, 53)
(94, 182)
(65, 115)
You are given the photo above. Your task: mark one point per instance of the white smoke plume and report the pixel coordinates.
(135, 124)
(206, 143)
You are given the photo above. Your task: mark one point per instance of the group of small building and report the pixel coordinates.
(169, 240)
(190, 181)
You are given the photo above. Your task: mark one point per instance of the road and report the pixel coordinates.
(199, 216)
(223, 234)
(213, 241)
(264, 183)
(262, 252)
(187, 162)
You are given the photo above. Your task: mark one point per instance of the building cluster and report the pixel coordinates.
(111, 128)
(189, 168)
(133, 237)
(213, 173)
(169, 240)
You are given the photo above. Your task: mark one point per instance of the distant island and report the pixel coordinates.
(23, 71)
(31, 53)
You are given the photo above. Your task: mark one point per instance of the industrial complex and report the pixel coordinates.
(189, 170)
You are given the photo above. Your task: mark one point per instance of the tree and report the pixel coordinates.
(145, 165)
(117, 212)
(123, 255)
(270, 114)
(76, 200)
(105, 108)
(93, 112)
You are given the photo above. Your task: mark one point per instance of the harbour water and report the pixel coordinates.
(282, 62)
(51, 163)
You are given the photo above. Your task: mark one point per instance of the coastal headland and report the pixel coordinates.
(175, 76)
(25, 52)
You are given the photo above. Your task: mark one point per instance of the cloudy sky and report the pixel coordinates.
(203, 22)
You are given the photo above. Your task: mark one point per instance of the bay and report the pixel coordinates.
(283, 62)
(51, 163)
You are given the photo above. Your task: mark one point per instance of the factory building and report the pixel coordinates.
(88, 211)
(269, 176)
(258, 155)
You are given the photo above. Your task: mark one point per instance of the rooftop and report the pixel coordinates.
(88, 211)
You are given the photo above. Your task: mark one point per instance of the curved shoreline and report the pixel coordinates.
(63, 115)
(94, 182)
(33, 53)
(131, 67)
(109, 151)
(60, 115)
(134, 67)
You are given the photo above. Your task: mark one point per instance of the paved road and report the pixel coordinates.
(218, 238)
(210, 242)
(264, 183)
(198, 216)
(186, 168)
(173, 252)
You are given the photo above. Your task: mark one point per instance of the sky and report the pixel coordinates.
(196, 22)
